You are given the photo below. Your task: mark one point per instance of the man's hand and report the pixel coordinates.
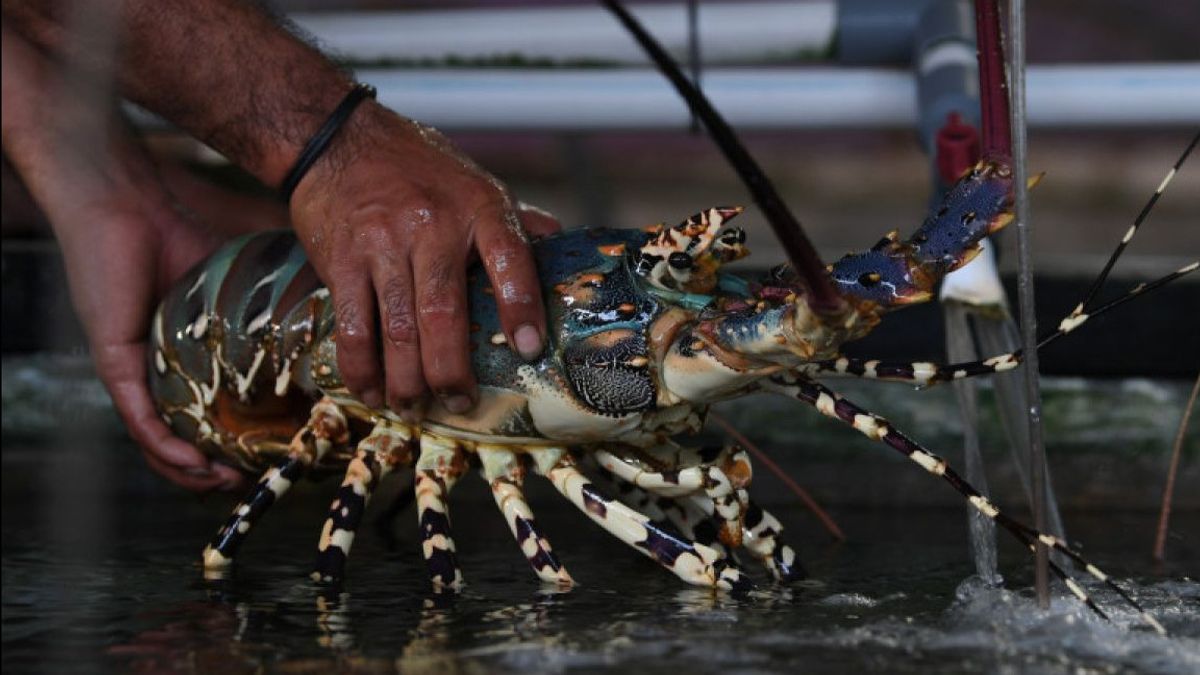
(122, 239)
(391, 217)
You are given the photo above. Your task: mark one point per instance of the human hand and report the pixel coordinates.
(118, 268)
(123, 241)
(391, 216)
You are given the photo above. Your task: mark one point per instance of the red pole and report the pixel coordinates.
(993, 86)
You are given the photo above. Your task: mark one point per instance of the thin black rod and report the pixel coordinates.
(822, 297)
(1037, 451)
(694, 64)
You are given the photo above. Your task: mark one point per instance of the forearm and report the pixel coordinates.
(70, 152)
(223, 70)
(31, 124)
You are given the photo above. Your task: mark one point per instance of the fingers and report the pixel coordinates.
(509, 262)
(357, 348)
(538, 222)
(122, 368)
(403, 372)
(439, 274)
(221, 477)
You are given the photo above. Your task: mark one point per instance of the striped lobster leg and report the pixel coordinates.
(761, 536)
(506, 475)
(386, 448)
(714, 499)
(722, 475)
(441, 463)
(831, 404)
(694, 563)
(326, 428)
(691, 515)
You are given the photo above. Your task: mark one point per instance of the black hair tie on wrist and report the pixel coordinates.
(320, 140)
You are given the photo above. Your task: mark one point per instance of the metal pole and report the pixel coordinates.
(1016, 74)
(733, 31)
(1109, 96)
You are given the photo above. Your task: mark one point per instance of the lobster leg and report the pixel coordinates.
(692, 516)
(694, 563)
(760, 536)
(758, 530)
(728, 497)
(439, 467)
(831, 404)
(506, 475)
(386, 448)
(326, 428)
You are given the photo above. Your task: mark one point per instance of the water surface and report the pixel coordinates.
(100, 573)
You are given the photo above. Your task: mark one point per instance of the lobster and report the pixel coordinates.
(646, 332)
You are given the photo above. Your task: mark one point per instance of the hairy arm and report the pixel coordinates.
(224, 70)
(390, 214)
(121, 236)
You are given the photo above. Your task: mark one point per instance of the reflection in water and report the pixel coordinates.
(128, 596)
(333, 620)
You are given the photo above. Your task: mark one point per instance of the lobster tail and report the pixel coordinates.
(895, 273)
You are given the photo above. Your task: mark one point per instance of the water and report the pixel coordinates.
(100, 574)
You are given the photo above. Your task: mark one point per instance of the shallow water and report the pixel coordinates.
(100, 573)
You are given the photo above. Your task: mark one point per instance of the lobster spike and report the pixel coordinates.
(833, 405)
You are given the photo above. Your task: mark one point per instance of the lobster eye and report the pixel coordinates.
(869, 279)
(680, 260)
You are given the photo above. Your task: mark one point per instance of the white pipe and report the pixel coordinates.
(728, 32)
(1104, 96)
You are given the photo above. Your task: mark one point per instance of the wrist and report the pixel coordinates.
(370, 126)
(280, 151)
(320, 141)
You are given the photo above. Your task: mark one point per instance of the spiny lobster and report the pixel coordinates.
(647, 331)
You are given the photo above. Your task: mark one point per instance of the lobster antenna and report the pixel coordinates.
(1137, 222)
(822, 296)
(832, 404)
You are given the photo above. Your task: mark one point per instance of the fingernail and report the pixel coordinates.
(409, 411)
(457, 403)
(528, 341)
(372, 398)
(198, 471)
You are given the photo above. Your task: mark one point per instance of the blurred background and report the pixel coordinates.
(580, 125)
(555, 99)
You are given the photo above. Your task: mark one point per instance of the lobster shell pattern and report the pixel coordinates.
(244, 365)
